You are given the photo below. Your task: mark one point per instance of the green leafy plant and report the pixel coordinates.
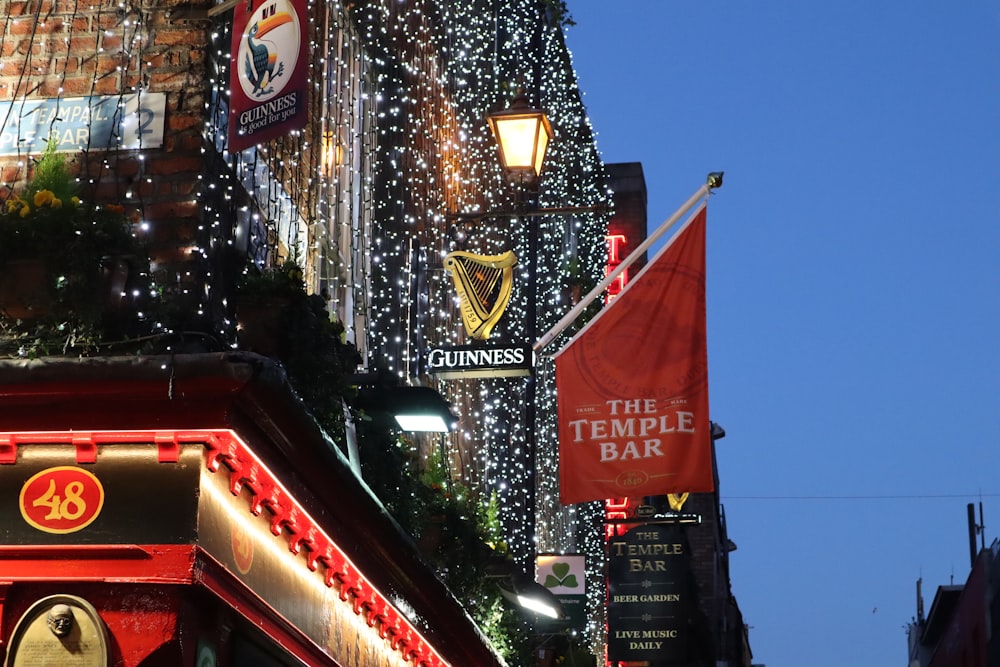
(457, 532)
(279, 318)
(574, 275)
(559, 12)
(69, 268)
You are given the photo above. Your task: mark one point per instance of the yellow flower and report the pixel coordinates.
(18, 205)
(25, 211)
(74, 200)
(43, 197)
(56, 202)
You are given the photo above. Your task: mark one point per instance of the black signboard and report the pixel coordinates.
(471, 361)
(652, 600)
(126, 496)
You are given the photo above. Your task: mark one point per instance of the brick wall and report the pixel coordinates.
(65, 48)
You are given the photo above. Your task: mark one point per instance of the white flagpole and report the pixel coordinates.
(714, 181)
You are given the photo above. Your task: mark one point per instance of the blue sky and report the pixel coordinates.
(853, 285)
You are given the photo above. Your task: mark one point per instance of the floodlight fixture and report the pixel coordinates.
(520, 589)
(414, 408)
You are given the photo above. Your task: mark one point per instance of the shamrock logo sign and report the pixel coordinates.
(560, 576)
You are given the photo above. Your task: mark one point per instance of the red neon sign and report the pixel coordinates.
(615, 509)
(616, 242)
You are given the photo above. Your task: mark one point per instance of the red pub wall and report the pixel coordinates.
(142, 621)
(162, 563)
(963, 643)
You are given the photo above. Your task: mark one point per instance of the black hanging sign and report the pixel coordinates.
(472, 361)
(652, 599)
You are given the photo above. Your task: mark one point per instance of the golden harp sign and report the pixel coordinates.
(483, 283)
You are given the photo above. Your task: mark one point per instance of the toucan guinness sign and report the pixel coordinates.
(268, 65)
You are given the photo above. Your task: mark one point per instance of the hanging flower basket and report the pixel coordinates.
(65, 265)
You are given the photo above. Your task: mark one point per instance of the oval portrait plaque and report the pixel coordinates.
(62, 630)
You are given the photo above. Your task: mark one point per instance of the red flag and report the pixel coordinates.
(632, 386)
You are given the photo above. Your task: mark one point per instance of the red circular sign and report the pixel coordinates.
(63, 499)
(241, 542)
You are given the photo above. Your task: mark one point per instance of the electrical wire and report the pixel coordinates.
(922, 496)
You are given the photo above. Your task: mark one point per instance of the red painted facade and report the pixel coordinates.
(961, 627)
(230, 531)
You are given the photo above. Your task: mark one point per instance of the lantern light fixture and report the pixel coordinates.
(522, 134)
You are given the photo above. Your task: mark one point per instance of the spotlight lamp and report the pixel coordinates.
(532, 596)
(414, 408)
(420, 409)
(520, 589)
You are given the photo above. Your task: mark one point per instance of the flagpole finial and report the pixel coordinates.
(715, 179)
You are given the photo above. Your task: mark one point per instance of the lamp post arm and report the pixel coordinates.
(526, 211)
(350, 430)
(714, 181)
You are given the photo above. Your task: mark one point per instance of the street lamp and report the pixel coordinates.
(522, 134)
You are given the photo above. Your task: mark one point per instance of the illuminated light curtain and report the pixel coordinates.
(445, 65)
